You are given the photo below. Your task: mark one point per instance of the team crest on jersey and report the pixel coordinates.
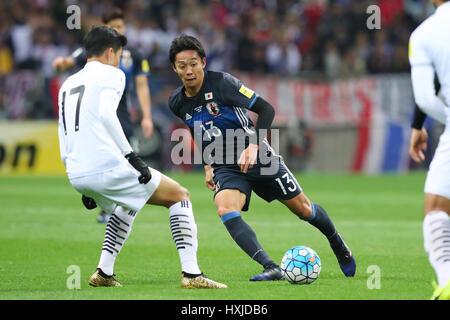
(212, 108)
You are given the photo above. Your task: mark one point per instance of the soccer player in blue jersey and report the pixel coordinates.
(214, 106)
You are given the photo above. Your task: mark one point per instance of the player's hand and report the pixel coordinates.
(418, 144)
(89, 203)
(248, 157)
(140, 166)
(147, 127)
(58, 63)
(209, 174)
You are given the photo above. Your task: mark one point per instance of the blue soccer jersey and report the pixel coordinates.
(217, 116)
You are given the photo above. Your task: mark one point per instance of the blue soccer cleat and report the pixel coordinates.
(345, 258)
(272, 273)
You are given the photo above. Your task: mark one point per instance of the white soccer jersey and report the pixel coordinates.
(90, 135)
(429, 52)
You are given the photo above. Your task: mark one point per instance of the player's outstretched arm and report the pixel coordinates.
(62, 64)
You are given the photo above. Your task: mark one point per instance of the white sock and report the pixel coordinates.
(184, 233)
(117, 231)
(436, 234)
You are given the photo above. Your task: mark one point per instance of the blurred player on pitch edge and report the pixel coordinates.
(429, 52)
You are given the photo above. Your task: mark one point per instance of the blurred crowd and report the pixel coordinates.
(296, 38)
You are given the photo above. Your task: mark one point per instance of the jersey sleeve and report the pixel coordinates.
(234, 93)
(110, 94)
(79, 56)
(418, 54)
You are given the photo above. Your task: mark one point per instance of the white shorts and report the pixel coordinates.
(438, 177)
(117, 187)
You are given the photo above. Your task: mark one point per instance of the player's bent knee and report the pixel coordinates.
(435, 202)
(223, 210)
(180, 194)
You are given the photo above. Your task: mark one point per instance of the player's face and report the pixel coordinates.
(189, 67)
(118, 25)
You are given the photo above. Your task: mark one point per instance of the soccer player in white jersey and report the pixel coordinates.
(102, 166)
(430, 54)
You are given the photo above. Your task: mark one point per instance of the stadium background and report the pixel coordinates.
(344, 103)
(342, 92)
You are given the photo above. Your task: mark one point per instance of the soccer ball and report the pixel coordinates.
(301, 265)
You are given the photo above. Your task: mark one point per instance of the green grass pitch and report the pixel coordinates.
(45, 229)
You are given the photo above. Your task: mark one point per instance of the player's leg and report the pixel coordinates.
(173, 196)
(284, 187)
(118, 229)
(436, 224)
(436, 232)
(128, 129)
(229, 203)
(316, 215)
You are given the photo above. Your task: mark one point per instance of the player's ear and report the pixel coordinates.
(204, 62)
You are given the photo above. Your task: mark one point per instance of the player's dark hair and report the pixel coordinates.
(185, 42)
(115, 13)
(101, 38)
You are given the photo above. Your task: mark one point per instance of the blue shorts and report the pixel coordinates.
(278, 185)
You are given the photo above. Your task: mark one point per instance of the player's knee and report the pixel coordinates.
(181, 194)
(436, 203)
(176, 195)
(223, 210)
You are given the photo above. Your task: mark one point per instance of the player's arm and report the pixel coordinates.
(422, 77)
(266, 114)
(62, 64)
(419, 136)
(143, 93)
(110, 96)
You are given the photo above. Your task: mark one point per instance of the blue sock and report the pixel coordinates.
(322, 221)
(246, 239)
